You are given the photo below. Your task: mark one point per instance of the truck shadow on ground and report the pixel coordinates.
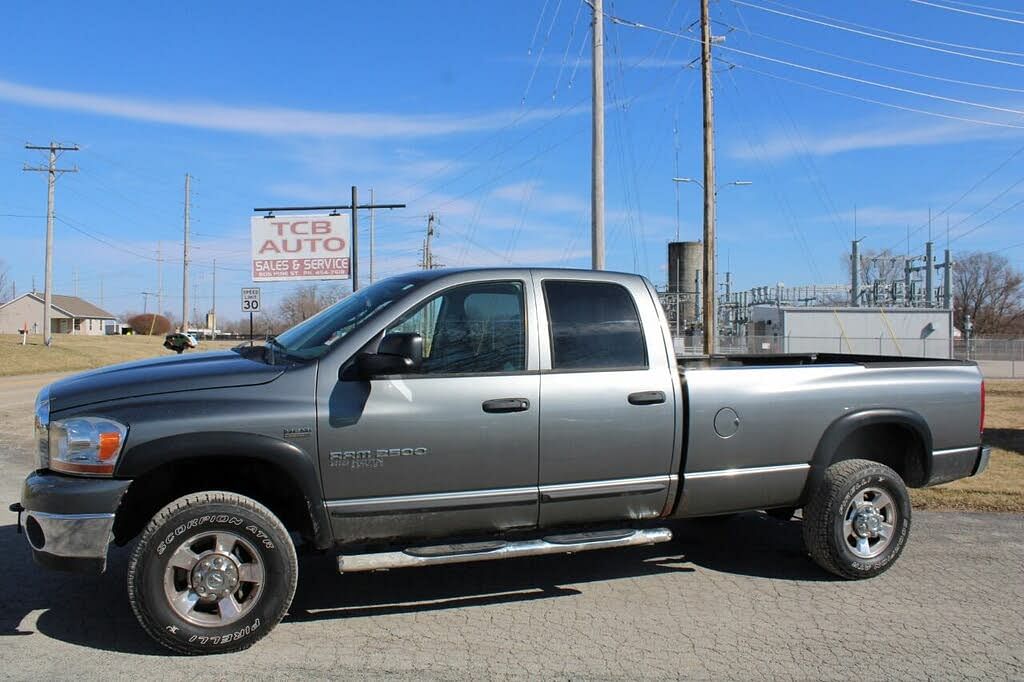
(1011, 440)
(93, 610)
(748, 544)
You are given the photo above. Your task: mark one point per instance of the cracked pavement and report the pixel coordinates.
(733, 599)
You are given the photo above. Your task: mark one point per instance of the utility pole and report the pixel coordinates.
(428, 256)
(74, 279)
(929, 266)
(145, 301)
(160, 278)
(373, 245)
(710, 319)
(355, 239)
(855, 273)
(101, 290)
(597, 142)
(213, 306)
(52, 171)
(184, 263)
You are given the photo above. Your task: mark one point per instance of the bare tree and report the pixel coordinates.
(989, 289)
(6, 286)
(877, 265)
(305, 302)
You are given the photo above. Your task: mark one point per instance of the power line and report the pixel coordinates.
(989, 203)
(981, 225)
(918, 74)
(965, 11)
(834, 74)
(932, 41)
(969, 190)
(986, 7)
(880, 37)
(879, 102)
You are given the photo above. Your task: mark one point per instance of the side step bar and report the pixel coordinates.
(489, 551)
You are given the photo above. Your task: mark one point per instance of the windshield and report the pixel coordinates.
(312, 337)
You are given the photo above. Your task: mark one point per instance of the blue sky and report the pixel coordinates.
(479, 112)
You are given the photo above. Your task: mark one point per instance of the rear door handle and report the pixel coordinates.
(647, 398)
(502, 405)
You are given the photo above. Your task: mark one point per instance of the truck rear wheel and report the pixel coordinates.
(858, 520)
(214, 572)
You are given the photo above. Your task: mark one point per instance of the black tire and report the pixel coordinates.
(824, 529)
(261, 549)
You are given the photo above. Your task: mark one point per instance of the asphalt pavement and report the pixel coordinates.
(734, 599)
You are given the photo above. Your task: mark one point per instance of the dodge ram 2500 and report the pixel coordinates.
(451, 416)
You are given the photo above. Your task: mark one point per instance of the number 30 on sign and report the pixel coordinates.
(250, 299)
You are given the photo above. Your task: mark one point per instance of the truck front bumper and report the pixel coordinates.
(69, 520)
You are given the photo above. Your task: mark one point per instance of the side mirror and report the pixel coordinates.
(407, 344)
(400, 353)
(371, 365)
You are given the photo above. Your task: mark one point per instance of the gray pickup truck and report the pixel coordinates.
(449, 416)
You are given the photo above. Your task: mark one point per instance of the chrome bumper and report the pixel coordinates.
(982, 463)
(957, 463)
(69, 520)
(82, 536)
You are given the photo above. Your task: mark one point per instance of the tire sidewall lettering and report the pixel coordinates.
(170, 542)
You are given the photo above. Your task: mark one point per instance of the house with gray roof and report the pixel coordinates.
(68, 315)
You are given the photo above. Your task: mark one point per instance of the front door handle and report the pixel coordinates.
(647, 398)
(502, 405)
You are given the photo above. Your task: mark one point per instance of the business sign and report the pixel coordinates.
(250, 299)
(300, 247)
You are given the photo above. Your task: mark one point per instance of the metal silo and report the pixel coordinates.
(684, 264)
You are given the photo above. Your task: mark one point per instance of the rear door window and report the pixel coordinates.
(593, 325)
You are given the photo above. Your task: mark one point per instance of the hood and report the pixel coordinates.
(216, 369)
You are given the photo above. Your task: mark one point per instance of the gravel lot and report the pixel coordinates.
(734, 599)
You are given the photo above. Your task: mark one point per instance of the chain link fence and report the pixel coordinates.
(770, 345)
(980, 348)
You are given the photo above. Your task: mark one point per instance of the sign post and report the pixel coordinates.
(250, 304)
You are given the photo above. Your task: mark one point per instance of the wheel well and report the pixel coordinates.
(267, 483)
(897, 446)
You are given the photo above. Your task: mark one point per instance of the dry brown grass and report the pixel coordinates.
(1001, 487)
(69, 353)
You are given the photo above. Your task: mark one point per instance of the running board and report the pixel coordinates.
(499, 549)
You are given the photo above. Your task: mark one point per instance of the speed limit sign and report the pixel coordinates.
(250, 299)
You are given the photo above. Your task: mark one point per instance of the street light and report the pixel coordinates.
(695, 181)
(710, 293)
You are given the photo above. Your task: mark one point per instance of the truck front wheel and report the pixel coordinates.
(858, 520)
(213, 572)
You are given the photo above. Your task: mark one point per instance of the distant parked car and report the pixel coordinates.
(179, 342)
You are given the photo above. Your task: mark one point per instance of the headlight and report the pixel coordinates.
(42, 423)
(88, 446)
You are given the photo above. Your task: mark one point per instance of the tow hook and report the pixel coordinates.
(17, 509)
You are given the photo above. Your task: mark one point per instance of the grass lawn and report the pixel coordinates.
(1001, 487)
(69, 353)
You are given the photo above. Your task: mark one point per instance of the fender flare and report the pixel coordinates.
(838, 430)
(299, 465)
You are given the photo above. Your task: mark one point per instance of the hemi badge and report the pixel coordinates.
(301, 432)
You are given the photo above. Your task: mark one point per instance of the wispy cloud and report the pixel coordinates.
(536, 197)
(265, 120)
(879, 135)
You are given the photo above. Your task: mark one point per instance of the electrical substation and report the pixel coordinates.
(896, 304)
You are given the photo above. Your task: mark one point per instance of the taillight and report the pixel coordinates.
(981, 421)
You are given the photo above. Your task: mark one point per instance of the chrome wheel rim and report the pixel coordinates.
(214, 578)
(870, 522)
